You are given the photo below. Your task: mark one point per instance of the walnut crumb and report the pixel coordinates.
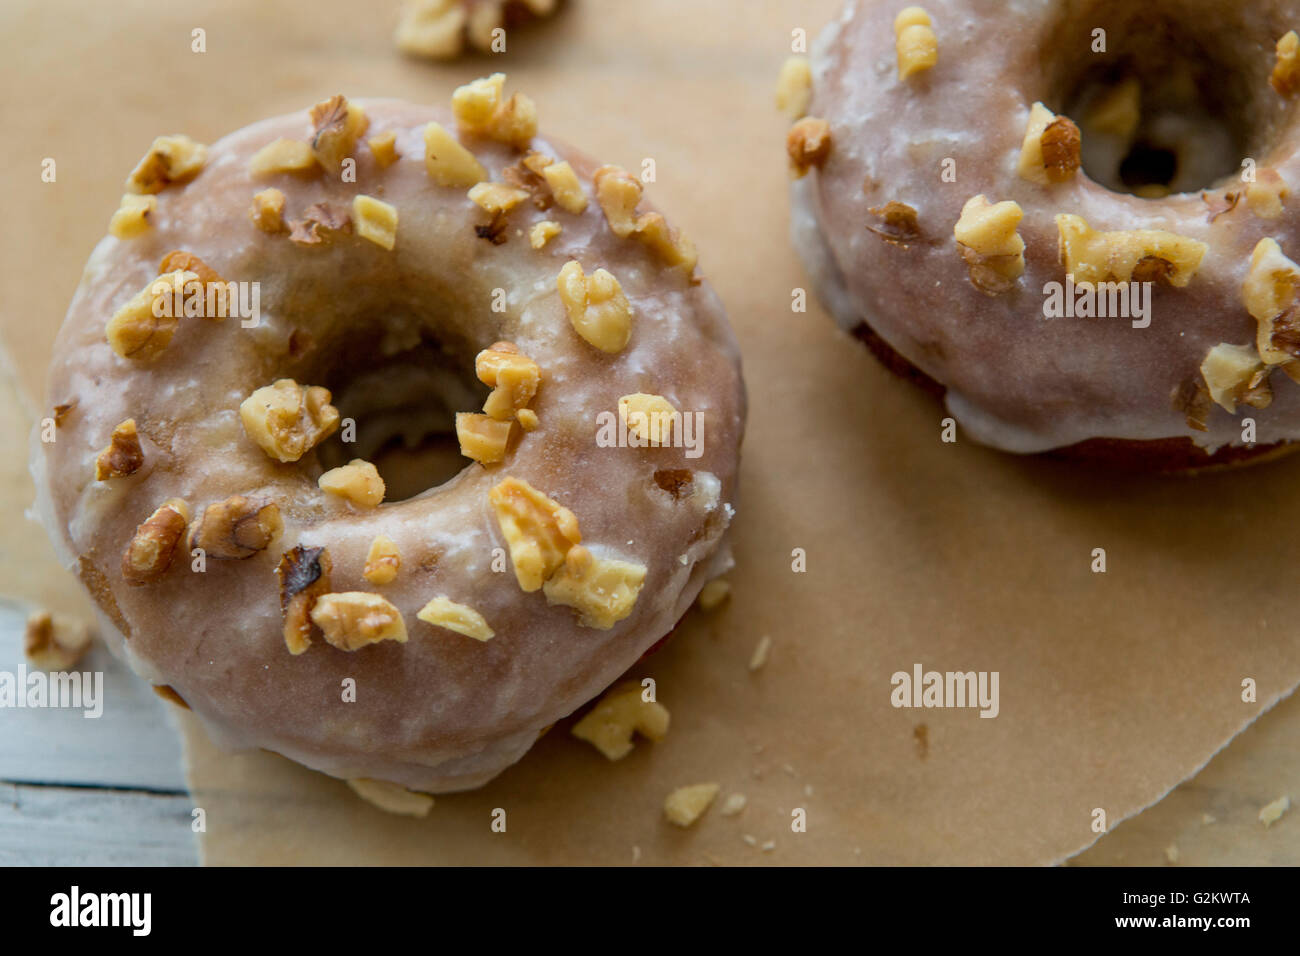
(1092, 256)
(358, 482)
(713, 594)
(384, 148)
(152, 548)
(287, 420)
(383, 561)
(987, 240)
(685, 805)
(543, 232)
(899, 224)
(513, 377)
(602, 590)
(794, 87)
(446, 613)
(123, 456)
(375, 220)
(142, 329)
(268, 211)
(54, 644)
(283, 156)
(481, 108)
(392, 797)
(539, 531)
(353, 619)
(237, 527)
(808, 144)
(1051, 148)
(321, 222)
(336, 127)
(170, 160)
(597, 308)
(132, 216)
(621, 713)
(482, 437)
(1285, 78)
(304, 575)
(618, 193)
(915, 44)
(447, 162)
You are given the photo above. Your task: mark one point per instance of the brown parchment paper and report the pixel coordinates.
(1114, 686)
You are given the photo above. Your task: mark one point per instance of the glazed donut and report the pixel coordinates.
(440, 29)
(1070, 220)
(404, 258)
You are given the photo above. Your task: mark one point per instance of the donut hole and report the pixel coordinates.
(1171, 104)
(403, 397)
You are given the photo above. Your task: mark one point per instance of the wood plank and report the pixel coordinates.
(65, 826)
(132, 745)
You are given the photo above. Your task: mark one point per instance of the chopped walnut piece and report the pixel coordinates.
(1192, 398)
(171, 159)
(54, 643)
(1050, 151)
(685, 805)
(527, 419)
(496, 197)
(375, 220)
(988, 242)
(565, 187)
(132, 216)
(392, 797)
(597, 308)
(336, 127)
(143, 328)
(513, 377)
(383, 561)
(494, 230)
(268, 210)
(287, 419)
(538, 531)
(236, 528)
(210, 291)
(433, 28)
(618, 192)
(358, 481)
(447, 162)
(1285, 78)
(320, 222)
(622, 712)
(304, 575)
(1265, 195)
(808, 144)
(444, 612)
(352, 619)
(1092, 256)
(1270, 296)
(1233, 374)
(543, 232)
(123, 456)
(180, 261)
(602, 590)
(915, 44)
(283, 156)
(480, 108)
(899, 225)
(482, 437)
(713, 594)
(154, 544)
(527, 175)
(650, 417)
(384, 148)
(794, 87)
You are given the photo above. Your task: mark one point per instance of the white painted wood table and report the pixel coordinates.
(90, 792)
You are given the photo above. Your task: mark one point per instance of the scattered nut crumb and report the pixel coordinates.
(268, 210)
(383, 561)
(392, 797)
(618, 193)
(762, 649)
(1269, 293)
(54, 644)
(808, 144)
(283, 156)
(171, 159)
(461, 618)
(1234, 373)
(1271, 813)
(1285, 78)
(713, 594)
(384, 148)
(336, 127)
(513, 377)
(543, 232)
(1264, 197)
(915, 44)
(565, 187)
(132, 216)
(734, 804)
(482, 437)
(1050, 151)
(794, 87)
(353, 619)
(622, 712)
(649, 417)
(358, 482)
(123, 456)
(375, 220)
(153, 545)
(685, 805)
(597, 308)
(447, 162)
(602, 590)
(304, 575)
(538, 531)
(899, 225)
(287, 420)
(987, 239)
(321, 222)
(1171, 853)
(1092, 256)
(236, 528)
(481, 108)
(136, 330)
